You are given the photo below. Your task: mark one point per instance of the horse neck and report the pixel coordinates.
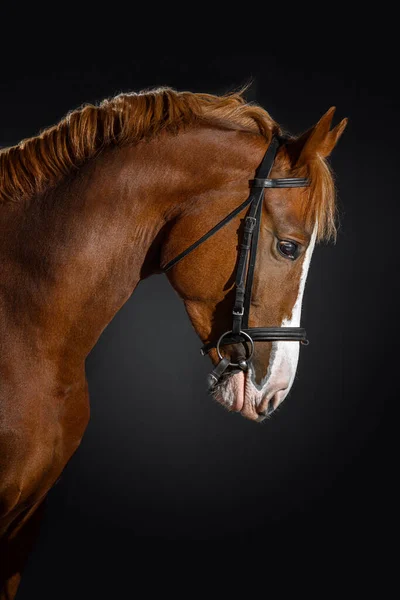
(73, 256)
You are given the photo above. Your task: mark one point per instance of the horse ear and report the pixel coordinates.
(319, 140)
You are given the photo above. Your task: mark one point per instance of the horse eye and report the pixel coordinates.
(288, 249)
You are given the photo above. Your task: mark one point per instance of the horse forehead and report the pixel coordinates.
(286, 206)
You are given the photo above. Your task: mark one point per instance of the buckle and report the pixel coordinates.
(250, 223)
(238, 313)
(262, 183)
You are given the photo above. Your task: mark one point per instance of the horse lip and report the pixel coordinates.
(236, 391)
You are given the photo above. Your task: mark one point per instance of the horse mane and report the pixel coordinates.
(36, 164)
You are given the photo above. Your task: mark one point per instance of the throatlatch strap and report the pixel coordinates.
(205, 237)
(262, 172)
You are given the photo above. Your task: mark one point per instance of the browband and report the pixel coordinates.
(281, 183)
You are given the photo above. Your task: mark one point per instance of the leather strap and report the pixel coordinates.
(263, 334)
(244, 274)
(241, 279)
(281, 183)
(252, 263)
(217, 373)
(207, 235)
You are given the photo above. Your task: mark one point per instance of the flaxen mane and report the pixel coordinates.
(36, 164)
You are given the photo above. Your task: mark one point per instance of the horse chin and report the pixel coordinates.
(237, 393)
(230, 392)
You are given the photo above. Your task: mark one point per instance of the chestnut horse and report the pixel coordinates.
(100, 201)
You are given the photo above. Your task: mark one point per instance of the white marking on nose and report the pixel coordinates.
(285, 355)
(282, 364)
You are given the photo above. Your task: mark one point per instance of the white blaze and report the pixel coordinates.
(282, 364)
(285, 355)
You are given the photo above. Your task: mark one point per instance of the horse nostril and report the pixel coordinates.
(269, 410)
(273, 402)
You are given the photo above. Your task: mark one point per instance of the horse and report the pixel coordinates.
(142, 184)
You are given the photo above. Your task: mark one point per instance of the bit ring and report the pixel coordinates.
(241, 333)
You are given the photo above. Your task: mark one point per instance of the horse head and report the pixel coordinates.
(255, 363)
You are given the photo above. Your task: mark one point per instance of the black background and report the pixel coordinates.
(163, 472)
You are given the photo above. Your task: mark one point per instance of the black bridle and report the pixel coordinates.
(241, 332)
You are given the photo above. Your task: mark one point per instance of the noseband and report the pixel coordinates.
(240, 331)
